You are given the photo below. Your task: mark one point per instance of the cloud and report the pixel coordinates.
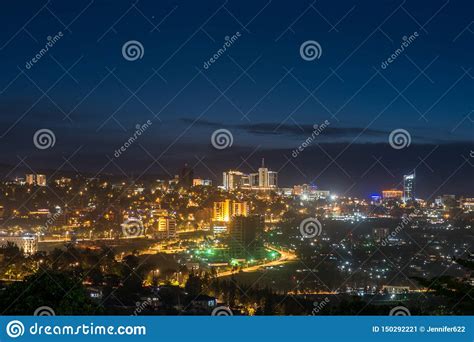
(297, 130)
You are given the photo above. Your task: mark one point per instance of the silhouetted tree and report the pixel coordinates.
(62, 292)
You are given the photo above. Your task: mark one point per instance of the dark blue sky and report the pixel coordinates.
(269, 108)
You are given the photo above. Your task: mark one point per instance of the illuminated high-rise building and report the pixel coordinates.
(35, 179)
(164, 224)
(166, 227)
(272, 179)
(409, 187)
(225, 210)
(232, 180)
(264, 179)
(267, 179)
(30, 179)
(221, 211)
(41, 180)
(253, 180)
(245, 181)
(240, 209)
(263, 176)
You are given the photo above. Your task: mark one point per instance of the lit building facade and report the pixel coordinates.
(164, 224)
(35, 179)
(380, 234)
(224, 210)
(232, 180)
(201, 182)
(166, 227)
(310, 192)
(392, 194)
(409, 187)
(467, 204)
(28, 243)
(264, 179)
(30, 179)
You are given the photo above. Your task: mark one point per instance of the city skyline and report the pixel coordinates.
(233, 179)
(270, 99)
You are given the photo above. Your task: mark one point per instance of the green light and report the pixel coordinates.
(234, 262)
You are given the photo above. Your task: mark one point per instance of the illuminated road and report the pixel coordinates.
(285, 257)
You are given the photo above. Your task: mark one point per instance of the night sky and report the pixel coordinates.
(260, 89)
